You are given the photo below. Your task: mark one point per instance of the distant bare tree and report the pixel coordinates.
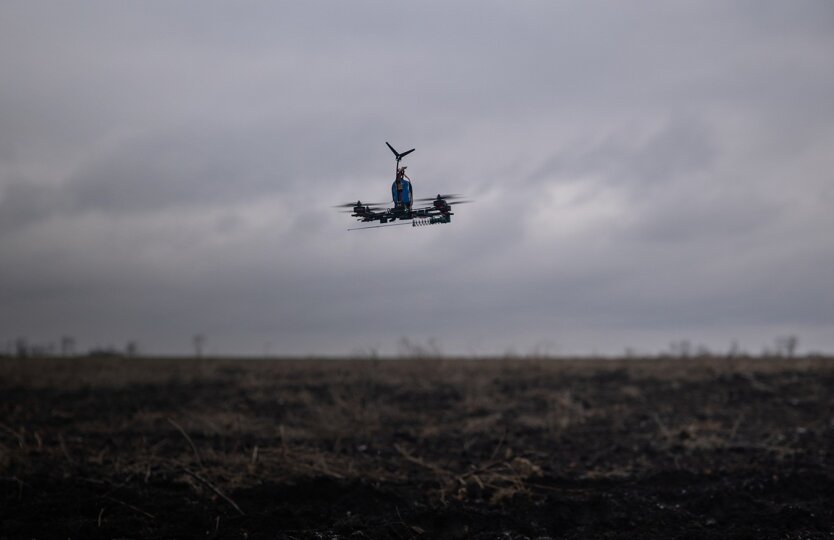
(681, 349)
(786, 346)
(544, 349)
(703, 351)
(67, 346)
(21, 348)
(132, 349)
(411, 349)
(105, 352)
(199, 343)
(360, 352)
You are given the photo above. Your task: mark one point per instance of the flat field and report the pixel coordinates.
(418, 448)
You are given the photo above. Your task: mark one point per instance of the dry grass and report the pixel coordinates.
(465, 430)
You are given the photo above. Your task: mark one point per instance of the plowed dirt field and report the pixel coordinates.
(418, 448)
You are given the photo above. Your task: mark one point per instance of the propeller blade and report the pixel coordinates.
(359, 203)
(397, 154)
(447, 196)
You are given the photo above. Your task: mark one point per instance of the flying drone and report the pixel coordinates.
(437, 211)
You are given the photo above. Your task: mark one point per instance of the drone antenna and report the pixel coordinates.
(398, 156)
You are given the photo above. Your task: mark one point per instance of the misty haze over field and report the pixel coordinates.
(644, 173)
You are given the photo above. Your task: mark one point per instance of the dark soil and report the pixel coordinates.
(511, 449)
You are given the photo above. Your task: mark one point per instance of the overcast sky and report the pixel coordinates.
(645, 172)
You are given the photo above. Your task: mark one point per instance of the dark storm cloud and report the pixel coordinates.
(643, 173)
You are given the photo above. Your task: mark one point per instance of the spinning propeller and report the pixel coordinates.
(359, 207)
(444, 200)
(358, 203)
(450, 196)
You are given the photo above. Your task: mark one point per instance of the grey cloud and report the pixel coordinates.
(631, 158)
(23, 203)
